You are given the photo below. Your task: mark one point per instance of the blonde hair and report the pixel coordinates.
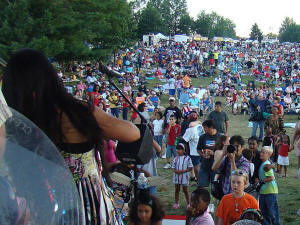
(268, 149)
(241, 173)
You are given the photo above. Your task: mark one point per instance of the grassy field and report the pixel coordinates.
(289, 191)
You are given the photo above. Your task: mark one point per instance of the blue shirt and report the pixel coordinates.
(184, 97)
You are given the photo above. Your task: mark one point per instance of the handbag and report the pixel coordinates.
(217, 184)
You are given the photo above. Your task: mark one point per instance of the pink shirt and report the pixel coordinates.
(205, 219)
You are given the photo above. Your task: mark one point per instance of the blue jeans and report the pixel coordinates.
(261, 129)
(158, 139)
(115, 112)
(125, 113)
(268, 205)
(179, 90)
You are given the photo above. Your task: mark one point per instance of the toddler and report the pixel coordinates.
(283, 157)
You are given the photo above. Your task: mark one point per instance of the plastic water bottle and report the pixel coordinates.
(142, 181)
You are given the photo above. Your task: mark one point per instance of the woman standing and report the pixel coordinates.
(77, 128)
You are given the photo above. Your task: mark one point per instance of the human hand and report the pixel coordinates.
(292, 148)
(267, 167)
(231, 156)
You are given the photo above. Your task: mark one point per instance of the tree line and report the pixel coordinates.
(67, 30)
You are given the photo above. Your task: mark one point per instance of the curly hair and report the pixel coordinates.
(158, 212)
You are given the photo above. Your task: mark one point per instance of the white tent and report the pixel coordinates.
(180, 38)
(161, 36)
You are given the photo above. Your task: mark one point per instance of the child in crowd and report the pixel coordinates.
(269, 140)
(182, 165)
(268, 203)
(232, 205)
(146, 210)
(247, 153)
(283, 156)
(158, 128)
(198, 213)
(173, 131)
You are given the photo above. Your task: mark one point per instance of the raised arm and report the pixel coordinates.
(116, 129)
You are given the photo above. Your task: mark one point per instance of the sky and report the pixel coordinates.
(268, 14)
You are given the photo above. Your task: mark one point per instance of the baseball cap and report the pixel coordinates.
(171, 99)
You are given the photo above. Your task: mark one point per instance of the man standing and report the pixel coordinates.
(172, 109)
(205, 149)
(260, 106)
(220, 119)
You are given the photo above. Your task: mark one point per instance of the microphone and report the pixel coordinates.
(108, 72)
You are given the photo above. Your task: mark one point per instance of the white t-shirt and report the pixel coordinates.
(191, 136)
(171, 83)
(158, 127)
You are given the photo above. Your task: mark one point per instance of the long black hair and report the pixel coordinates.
(32, 87)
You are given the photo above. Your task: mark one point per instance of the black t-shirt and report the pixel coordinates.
(207, 141)
(257, 162)
(172, 111)
(219, 119)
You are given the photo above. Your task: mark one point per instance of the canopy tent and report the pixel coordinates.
(218, 39)
(180, 38)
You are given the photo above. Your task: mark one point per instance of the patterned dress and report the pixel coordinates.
(96, 197)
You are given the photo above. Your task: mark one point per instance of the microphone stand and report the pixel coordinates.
(143, 120)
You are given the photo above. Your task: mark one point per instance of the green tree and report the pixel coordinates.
(63, 28)
(186, 24)
(212, 24)
(289, 31)
(256, 34)
(150, 21)
(171, 12)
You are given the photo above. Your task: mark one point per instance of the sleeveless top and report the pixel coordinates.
(98, 205)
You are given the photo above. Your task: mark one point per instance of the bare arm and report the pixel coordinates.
(156, 146)
(116, 129)
(226, 127)
(220, 221)
(218, 158)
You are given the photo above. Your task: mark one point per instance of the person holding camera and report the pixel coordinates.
(233, 160)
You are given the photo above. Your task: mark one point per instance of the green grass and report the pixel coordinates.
(289, 191)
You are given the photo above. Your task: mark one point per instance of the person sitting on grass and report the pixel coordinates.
(233, 205)
(198, 213)
(182, 166)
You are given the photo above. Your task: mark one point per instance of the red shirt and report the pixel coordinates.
(284, 150)
(174, 133)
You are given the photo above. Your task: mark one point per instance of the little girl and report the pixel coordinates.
(158, 128)
(283, 157)
(146, 210)
(182, 165)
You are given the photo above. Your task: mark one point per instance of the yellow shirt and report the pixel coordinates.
(113, 101)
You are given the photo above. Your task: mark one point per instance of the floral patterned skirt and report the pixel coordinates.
(96, 197)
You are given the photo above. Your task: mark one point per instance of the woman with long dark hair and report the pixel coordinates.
(32, 87)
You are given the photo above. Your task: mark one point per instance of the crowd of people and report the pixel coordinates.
(199, 150)
(196, 152)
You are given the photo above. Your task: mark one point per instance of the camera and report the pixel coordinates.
(231, 149)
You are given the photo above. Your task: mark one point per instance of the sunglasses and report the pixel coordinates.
(238, 172)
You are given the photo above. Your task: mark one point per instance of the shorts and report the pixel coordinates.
(171, 150)
(195, 159)
(171, 91)
(205, 177)
(237, 105)
(283, 160)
